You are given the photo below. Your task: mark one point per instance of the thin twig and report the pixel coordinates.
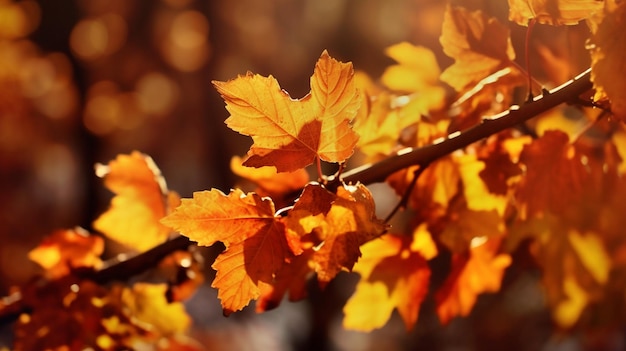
(407, 193)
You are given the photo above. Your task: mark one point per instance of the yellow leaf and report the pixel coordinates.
(568, 310)
(290, 134)
(141, 200)
(592, 255)
(417, 68)
(479, 45)
(269, 181)
(147, 303)
(608, 56)
(552, 12)
(393, 276)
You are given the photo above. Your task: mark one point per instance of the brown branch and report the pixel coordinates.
(372, 173)
(378, 172)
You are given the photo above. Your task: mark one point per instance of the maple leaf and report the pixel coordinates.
(394, 275)
(290, 134)
(473, 273)
(479, 45)
(552, 12)
(67, 249)
(141, 200)
(333, 229)
(608, 55)
(255, 242)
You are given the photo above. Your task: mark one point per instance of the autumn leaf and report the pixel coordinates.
(255, 242)
(479, 46)
(462, 226)
(270, 182)
(555, 177)
(147, 303)
(608, 55)
(575, 265)
(552, 12)
(335, 229)
(438, 184)
(473, 273)
(68, 249)
(290, 134)
(141, 200)
(394, 275)
(291, 279)
(417, 68)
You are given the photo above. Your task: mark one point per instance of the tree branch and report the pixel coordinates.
(372, 173)
(378, 172)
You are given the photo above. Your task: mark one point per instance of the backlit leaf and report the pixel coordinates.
(255, 242)
(394, 275)
(290, 134)
(476, 272)
(147, 303)
(479, 45)
(335, 230)
(553, 12)
(141, 200)
(608, 55)
(68, 249)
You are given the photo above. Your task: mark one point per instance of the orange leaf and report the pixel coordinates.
(290, 134)
(255, 242)
(608, 55)
(479, 271)
(141, 200)
(292, 279)
(268, 180)
(479, 45)
(555, 177)
(334, 229)
(67, 249)
(552, 12)
(394, 275)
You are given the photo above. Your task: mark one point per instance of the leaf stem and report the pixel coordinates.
(531, 25)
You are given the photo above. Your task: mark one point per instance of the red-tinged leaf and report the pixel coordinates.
(552, 12)
(256, 247)
(68, 249)
(479, 45)
(476, 272)
(334, 227)
(290, 134)
(141, 200)
(245, 266)
(291, 279)
(555, 176)
(394, 275)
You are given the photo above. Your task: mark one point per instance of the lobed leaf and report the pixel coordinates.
(290, 134)
(141, 200)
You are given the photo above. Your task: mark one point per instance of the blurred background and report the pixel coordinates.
(84, 80)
